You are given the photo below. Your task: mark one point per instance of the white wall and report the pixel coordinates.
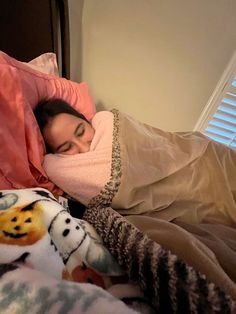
(158, 60)
(75, 16)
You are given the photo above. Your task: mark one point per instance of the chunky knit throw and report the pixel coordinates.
(170, 284)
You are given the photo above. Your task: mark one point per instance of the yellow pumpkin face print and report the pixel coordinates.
(22, 225)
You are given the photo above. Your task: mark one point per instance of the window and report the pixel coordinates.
(218, 119)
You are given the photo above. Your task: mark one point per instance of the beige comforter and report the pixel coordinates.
(184, 187)
(179, 188)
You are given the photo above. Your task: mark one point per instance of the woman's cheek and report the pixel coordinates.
(72, 151)
(92, 133)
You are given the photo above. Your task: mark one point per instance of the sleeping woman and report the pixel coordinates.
(170, 182)
(137, 168)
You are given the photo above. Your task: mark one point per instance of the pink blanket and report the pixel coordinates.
(84, 175)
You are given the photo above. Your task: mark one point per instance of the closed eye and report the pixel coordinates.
(79, 131)
(63, 148)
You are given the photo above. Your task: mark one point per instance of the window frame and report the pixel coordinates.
(214, 101)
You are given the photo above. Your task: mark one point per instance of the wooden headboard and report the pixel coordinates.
(29, 28)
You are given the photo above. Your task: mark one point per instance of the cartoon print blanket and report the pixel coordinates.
(27, 291)
(40, 245)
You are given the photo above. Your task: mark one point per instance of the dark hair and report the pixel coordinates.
(47, 109)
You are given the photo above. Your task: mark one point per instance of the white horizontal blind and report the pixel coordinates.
(222, 125)
(218, 118)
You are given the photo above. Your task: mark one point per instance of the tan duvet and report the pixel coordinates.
(179, 188)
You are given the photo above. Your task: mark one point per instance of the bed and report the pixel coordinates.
(52, 261)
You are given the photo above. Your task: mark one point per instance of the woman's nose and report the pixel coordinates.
(82, 146)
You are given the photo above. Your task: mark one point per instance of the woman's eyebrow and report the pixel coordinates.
(77, 128)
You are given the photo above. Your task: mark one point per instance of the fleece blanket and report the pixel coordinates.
(42, 246)
(82, 176)
(27, 291)
(179, 188)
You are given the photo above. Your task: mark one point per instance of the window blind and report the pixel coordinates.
(222, 126)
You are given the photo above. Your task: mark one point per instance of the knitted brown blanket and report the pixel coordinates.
(170, 284)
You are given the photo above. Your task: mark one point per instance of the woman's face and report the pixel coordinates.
(68, 134)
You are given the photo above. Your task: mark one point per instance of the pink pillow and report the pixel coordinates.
(22, 146)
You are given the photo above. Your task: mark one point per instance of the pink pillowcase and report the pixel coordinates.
(22, 146)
